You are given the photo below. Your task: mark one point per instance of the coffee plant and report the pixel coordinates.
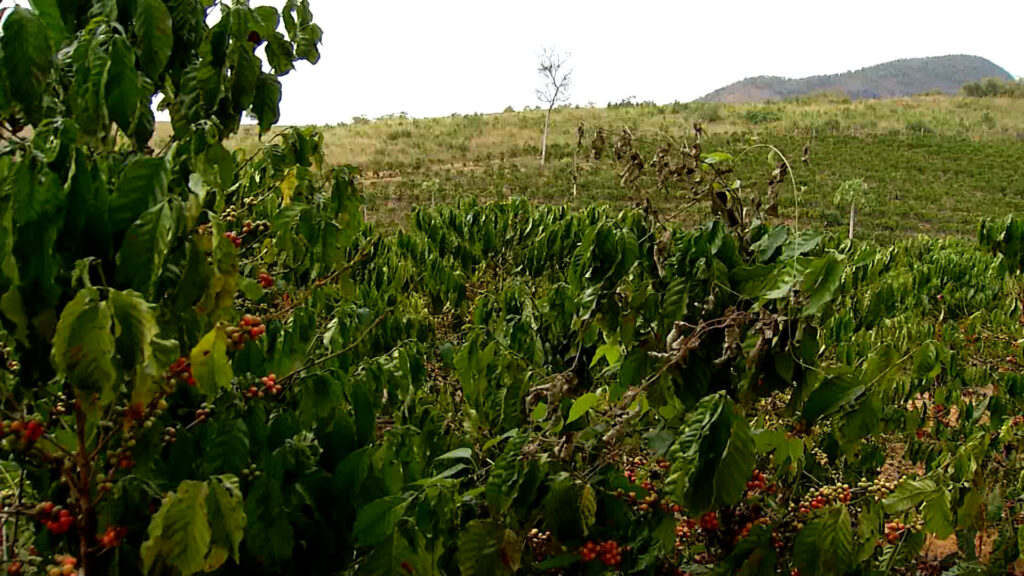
(211, 364)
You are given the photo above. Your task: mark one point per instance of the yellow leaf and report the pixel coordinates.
(288, 187)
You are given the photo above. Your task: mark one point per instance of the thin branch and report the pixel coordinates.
(362, 336)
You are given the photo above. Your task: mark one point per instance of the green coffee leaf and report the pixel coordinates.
(136, 327)
(938, 515)
(825, 545)
(179, 533)
(156, 39)
(909, 494)
(143, 185)
(821, 282)
(123, 90)
(227, 520)
(267, 103)
(27, 57)
(487, 548)
(378, 519)
(927, 362)
(146, 245)
(457, 454)
(49, 12)
(713, 456)
(83, 347)
(581, 405)
(832, 395)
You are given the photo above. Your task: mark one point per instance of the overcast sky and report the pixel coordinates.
(434, 58)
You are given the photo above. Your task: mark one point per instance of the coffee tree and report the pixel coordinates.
(122, 265)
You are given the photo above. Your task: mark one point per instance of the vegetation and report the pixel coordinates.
(899, 78)
(212, 363)
(995, 88)
(936, 164)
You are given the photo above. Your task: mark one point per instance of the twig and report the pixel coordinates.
(690, 342)
(334, 355)
(17, 518)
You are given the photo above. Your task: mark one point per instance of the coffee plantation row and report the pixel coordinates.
(212, 364)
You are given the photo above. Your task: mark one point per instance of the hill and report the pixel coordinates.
(934, 164)
(894, 79)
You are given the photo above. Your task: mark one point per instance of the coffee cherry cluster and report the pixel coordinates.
(259, 227)
(893, 531)
(27, 430)
(249, 329)
(270, 386)
(630, 471)
(745, 531)
(235, 239)
(104, 483)
(230, 214)
(825, 496)
(757, 481)
(684, 531)
(639, 470)
(266, 280)
(877, 488)
(943, 415)
(253, 471)
(539, 542)
(169, 435)
(7, 360)
(56, 519)
(204, 412)
(608, 552)
(113, 536)
(181, 369)
(60, 406)
(709, 521)
(122, 459)
(66, 565)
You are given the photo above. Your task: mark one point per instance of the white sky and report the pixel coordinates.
(434, 58)
(438, 57)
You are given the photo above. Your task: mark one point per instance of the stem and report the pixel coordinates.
(341, 352)
(853, 216)
(17, 519)
(86, 510)
(544, 138)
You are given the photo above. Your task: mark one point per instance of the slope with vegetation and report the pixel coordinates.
(932, 164)
(213, 364)
(899, 78)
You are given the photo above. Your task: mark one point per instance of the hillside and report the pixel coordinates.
(898, 78)
(934, 164)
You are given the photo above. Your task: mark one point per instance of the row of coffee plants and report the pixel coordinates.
(213, 365)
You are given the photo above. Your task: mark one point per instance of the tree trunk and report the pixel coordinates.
(853, 216)
(544, 138)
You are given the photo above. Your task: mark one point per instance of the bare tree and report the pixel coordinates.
(555, 90)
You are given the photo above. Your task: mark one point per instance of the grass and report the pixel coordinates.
(933, 164)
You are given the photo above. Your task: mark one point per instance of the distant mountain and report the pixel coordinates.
(898, 78)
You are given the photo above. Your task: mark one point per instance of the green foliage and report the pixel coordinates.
(825, 545)
(215, 365)
(994, 88)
